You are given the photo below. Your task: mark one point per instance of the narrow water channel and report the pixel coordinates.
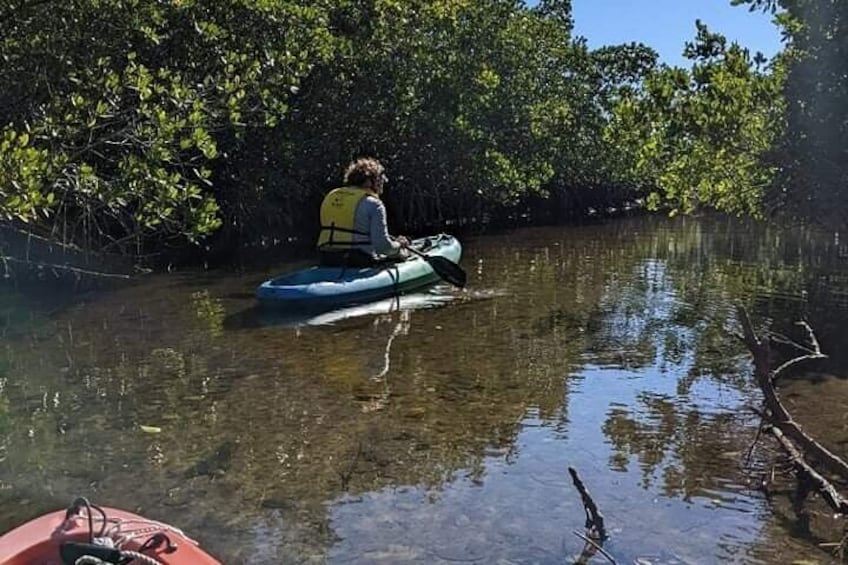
(438, 429)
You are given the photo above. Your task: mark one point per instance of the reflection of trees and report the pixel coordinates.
(681, 448)
(271, 419)
(684, 297)
(259, 421)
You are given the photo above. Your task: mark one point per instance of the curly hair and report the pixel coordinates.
(363, 170)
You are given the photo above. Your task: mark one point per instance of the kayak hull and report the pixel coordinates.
(319, 288)
(39, 540)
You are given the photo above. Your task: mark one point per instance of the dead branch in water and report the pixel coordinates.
(805, 472)
(811, 353)
(54, 267)
(594, 518)
(804, 452)
(778, 416)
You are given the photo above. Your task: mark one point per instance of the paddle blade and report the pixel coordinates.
(447, 269)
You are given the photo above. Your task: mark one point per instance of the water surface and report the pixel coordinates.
(437, 429)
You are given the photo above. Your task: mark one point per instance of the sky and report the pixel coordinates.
(666, 25)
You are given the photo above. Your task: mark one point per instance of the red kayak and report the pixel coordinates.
(86, 534)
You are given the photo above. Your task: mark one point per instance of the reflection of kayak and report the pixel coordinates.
(408, 302)
(327, 287)
(90, 534)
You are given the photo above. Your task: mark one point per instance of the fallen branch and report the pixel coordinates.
(811, 353)
(827, 491)
(805, 472)
(802, 450)
(778, 416)
(56, 267)
(594, 518)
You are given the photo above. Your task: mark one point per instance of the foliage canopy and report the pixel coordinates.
(129, 124)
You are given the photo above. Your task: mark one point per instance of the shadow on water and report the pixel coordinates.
(438, 427)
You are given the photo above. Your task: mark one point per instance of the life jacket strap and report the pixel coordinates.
(333, 228)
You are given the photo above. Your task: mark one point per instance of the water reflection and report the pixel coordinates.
(256, 316)
(437, 428)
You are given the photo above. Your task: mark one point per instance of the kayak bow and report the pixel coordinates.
(86, 533)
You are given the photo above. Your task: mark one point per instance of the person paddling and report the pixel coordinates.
(354, 232)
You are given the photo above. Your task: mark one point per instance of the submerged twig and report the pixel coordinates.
(841, 548)
(595, 545)
(754, 443)
(345, 476)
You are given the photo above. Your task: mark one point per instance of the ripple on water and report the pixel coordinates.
(440, 427)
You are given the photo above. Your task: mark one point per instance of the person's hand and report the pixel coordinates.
(403, 241)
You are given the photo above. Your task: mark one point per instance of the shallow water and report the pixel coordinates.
(437, 429)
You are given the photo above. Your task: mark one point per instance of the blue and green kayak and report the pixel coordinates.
(317, 288)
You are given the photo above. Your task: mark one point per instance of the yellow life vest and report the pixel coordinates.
(337, 219)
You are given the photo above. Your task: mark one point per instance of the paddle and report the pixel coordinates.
(448, 270)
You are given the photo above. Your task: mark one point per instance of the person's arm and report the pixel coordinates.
(381, 240)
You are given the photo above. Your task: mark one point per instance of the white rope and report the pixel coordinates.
(145, 525)
(121, 532)
(116, 528)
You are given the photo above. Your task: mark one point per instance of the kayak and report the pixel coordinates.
(316, 288)
(89, 534)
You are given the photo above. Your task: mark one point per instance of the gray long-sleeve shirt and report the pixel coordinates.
(370, 217)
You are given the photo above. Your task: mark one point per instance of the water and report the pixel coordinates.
(438, 429)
